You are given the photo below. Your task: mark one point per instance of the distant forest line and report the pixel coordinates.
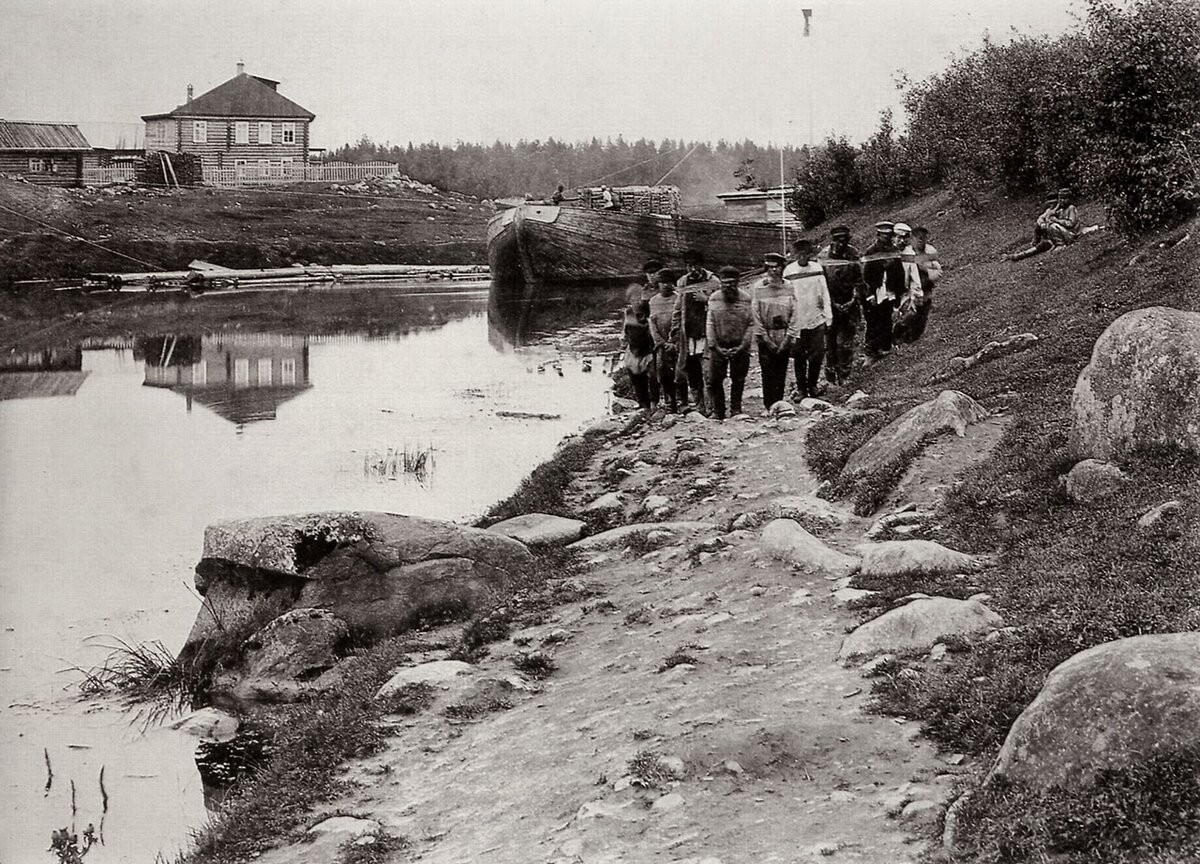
(538, 167)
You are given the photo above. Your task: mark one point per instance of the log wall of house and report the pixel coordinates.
(68, 167)
(221, 149)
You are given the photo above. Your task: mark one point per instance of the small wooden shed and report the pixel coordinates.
(760, 205)
(50, 154)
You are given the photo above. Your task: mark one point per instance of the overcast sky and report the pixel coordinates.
(481, 70)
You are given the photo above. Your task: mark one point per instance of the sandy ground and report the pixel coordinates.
(779, 761)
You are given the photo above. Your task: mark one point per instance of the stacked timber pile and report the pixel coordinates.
(169, 169)
(642, 200)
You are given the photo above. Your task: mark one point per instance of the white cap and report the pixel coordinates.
(902, 227)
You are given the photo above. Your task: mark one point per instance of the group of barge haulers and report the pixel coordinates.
(684, 335)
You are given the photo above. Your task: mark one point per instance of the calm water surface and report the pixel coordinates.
(108, 485)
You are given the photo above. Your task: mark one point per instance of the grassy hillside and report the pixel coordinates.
(1066, 576)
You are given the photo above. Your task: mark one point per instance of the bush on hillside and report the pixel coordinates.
(1113, 109)
(1143, 77)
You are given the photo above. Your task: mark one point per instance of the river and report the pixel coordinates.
(116, 455)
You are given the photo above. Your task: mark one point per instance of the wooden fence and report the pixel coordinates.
(111, 174)
(266, 174)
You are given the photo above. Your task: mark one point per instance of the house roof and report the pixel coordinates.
(743, 195)
(241, 96)
(25, 385)
(17, 135)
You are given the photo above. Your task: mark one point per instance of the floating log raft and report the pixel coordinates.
(202, 275)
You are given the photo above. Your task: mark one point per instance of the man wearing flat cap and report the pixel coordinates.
(666, 352)
(688, 323)
(885, 282)
(843, 275)
(812, 319)
(729, 330)
(773, 306)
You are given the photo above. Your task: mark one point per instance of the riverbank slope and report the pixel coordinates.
(142, 228)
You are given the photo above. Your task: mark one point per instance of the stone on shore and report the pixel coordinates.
(378, 572)
(209, 724)
(1092, 480)
(916, 626)
(626, 533)
(951, 411)
(438, 673)
(1164, 515)
(609, 502)
(809, 508)
(1112, 706)
(912, 557)
(540, 529)
(1141, 390)
(786, 540)
(290, 545)
(283, 661)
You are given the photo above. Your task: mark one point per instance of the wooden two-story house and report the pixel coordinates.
(245, 124)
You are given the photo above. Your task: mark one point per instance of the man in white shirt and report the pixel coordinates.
(813, 315)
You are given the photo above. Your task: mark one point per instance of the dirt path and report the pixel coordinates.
(778, 760)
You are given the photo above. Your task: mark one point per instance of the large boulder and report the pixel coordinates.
(918, 624)
(951, 411)
(378, 605)
(913, 557)
(787, 540)
(378, 572)
(1142, 387)
(540, 529)
(1109, 707)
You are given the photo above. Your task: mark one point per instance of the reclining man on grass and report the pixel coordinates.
(1057, 226)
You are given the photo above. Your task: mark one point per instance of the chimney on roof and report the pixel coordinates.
(241, 68)
(189, 93)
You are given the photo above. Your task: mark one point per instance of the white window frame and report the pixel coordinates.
(241, 132)
(37, 165)
(264, 371)
(264, 126)
(287, 371)
(199, 131)
(288, 136)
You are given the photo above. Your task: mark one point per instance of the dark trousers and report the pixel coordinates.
(641, 386)
(879, 327)
(808, 352)
(718, 366)
(774, 368)
(912, 328)
(665, 359)
(839, 345)
(689, 373)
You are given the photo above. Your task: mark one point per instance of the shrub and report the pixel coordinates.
(1143, 75)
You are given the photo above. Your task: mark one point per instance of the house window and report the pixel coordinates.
(37, 166)
(241, 132)
(287, 370)
(264, 133)
(264, 371)
(200, 131)
(200, 373)
(241, 372)
(289, 133)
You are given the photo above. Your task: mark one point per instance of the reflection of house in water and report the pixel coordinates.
(241, 376)
(47, 372)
